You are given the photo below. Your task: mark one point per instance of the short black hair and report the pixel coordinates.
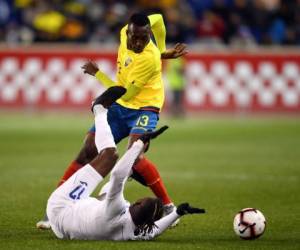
(139, 19)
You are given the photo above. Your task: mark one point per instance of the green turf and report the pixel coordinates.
(220, 164)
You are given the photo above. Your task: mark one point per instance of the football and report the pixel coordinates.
(249, 223)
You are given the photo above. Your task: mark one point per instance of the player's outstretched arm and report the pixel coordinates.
(159, 31)
(151, 135)
(92, 69)
(185, 208)
(122, 169)
(165, 222)
(146, 137)
(178, 50)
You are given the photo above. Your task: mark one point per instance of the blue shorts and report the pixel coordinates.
(124, 121)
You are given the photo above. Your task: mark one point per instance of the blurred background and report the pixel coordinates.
(243, 54)
(192, 21)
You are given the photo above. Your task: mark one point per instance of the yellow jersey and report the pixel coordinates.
(143, 70)
(140, 73)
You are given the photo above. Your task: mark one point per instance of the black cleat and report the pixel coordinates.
(109, 96)
(151, 135)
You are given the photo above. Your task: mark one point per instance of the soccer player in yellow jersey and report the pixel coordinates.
(139, 71)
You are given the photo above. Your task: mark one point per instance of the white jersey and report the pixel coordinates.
(87, 220)
(73, 214)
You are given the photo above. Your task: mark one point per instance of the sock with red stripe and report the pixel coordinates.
(150, 174)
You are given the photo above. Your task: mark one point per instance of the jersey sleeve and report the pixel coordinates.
(159, 31)
(161, 226)
(142, 72)
(106, 81)
(123, 34)
(131, 91)
(122, 170)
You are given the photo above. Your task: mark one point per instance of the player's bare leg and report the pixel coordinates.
(104, 140)
(89, 153)
(86, 155)
(89, 150)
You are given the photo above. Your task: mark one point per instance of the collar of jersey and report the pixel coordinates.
(146, 47)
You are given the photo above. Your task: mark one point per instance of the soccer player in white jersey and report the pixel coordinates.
(73, 214)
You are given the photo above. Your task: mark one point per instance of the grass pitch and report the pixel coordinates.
(222, 165)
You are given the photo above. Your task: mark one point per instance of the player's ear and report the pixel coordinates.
(127, 31)
(149, 29)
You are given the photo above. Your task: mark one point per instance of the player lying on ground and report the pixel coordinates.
(73, 214)
(139, 71)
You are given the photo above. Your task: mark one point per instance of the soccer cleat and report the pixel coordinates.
(169, 208)
(43, 224)
(109, 96)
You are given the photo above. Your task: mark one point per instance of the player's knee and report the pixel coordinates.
(111, 154)
(86, 154)
(89, 150)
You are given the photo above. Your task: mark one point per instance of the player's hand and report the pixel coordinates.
(185, 208)
(145, 138)
(90, 68)
(177, 51)
(149, 135)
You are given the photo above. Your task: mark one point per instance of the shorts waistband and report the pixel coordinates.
(150, 108)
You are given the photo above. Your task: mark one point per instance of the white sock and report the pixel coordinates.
(103, 137)
(98, 109)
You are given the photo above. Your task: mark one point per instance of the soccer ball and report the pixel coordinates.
(249, 223)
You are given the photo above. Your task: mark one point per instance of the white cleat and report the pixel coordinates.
(169, 208)
(43, 225)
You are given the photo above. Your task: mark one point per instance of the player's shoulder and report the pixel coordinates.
(151, 53)
(123, 36)
(123, 30)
